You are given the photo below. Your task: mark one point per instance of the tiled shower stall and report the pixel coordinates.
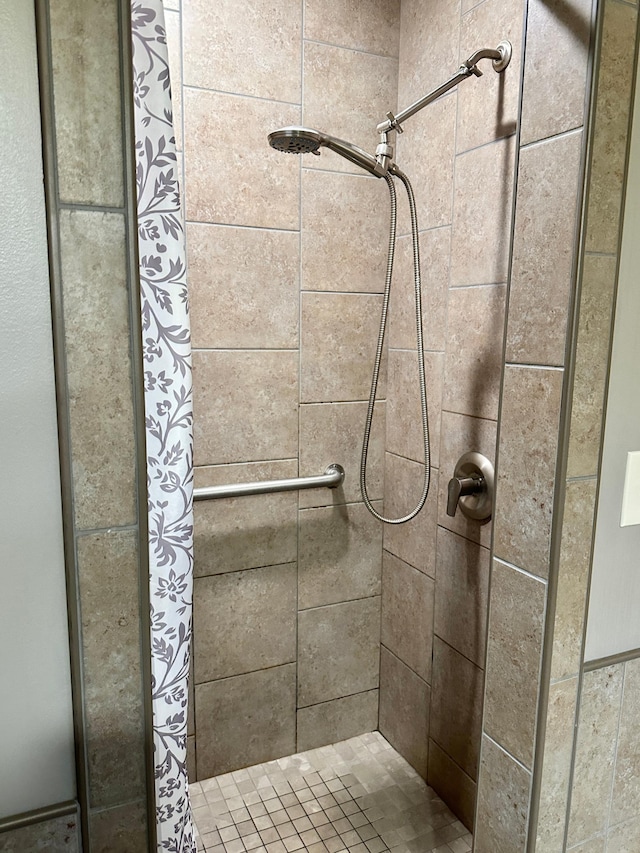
(313, 624)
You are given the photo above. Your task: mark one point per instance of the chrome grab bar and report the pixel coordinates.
(332, 478)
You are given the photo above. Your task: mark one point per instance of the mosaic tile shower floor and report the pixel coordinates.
(358, 796)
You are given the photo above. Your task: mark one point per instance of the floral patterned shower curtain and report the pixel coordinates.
(168, 411)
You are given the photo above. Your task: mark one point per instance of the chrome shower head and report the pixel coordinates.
(304, 140)
(295, 140)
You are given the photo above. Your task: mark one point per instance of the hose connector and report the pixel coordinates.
(384, 153)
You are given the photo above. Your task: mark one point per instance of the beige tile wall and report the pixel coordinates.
(90, 215)
(612, 94)
(264, 210)
(286, 268)
(605, 798)
(57, 835)
(459, 154)
(540, 304)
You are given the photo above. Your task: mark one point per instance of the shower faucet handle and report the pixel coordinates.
(471, 487)
(461, 487)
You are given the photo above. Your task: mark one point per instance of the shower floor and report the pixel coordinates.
(359, 795)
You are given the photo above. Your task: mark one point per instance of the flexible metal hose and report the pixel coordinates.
(380, 349)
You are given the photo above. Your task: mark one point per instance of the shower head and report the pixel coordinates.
(304, 140)
(296, 140)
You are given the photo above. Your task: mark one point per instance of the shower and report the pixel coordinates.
(270, 669)
(303, 140)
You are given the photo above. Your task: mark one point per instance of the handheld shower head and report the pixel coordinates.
(296, 140)
(304, 140)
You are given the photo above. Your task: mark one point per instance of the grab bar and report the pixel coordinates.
(332, 478)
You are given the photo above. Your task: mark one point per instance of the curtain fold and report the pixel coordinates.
(168, 418)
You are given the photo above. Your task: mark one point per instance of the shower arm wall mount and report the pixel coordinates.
(500, 56)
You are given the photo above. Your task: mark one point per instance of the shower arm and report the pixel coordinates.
(501, 57)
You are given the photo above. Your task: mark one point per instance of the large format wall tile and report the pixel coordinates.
(543, 250)
(404, 417)
(333, 432)
(243, 287)
(339, 335)
(428, 52)
(407, 614)
(246, 532)
(528, 445)
(344, 246)
(488, 108)
(452, 784)
(415, 541)
(462, 594)
(461, 434)
(244, 621)
(245, 720)
(624, 838)
(347, 93)
(245, 406)
(625, 800)
(233, 176)
(404, 710)
(503, 802)
(573, 577)
(556, 768)
(554, 93)
(112, 666)
(97, 344)
(434, 263)
(339, 555)
(58, 835)
(426, 155)
(374, 27)
(514, 648)
(456, 706)
(595, 752)
(592, 362)
(253, 53)
(123, 828)
(84, 47)
(615, 82)
(473, 361)
(337, 720)
(338, 650)
(482, 214)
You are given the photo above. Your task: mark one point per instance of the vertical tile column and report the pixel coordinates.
(350, 79)
(612, 92)
(409, 562)
(459, 153)
(242, 209)
(487, 116)
(281, 377)
(98, 384)
(542, 282)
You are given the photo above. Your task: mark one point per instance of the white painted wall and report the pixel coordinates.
(36, 734)
(614, 609)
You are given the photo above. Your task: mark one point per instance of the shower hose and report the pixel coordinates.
(379, 351)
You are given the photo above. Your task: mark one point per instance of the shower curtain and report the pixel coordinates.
(168, 417)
